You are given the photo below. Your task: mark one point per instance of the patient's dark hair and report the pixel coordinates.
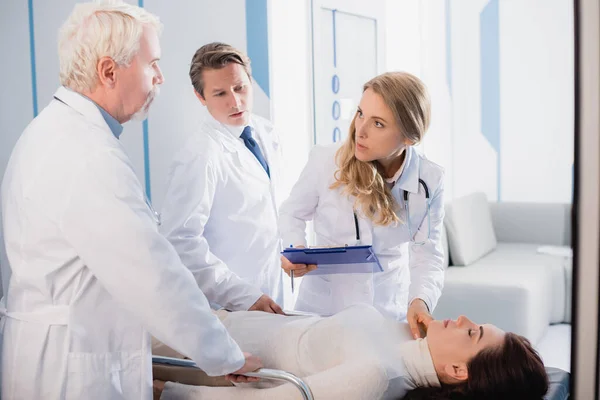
(513, 371)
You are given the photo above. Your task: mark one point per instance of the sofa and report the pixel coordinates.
(496, 271)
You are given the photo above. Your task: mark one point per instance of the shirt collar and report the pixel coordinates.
(409, 179)
(115, 127)
(112, 123)
(237, 131)
(394, 178)
(234, 131)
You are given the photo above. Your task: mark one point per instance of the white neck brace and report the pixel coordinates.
(419, 364)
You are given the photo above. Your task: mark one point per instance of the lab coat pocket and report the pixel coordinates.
(102, 376)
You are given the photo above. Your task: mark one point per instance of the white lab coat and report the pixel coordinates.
(409, 271)
(220, 213)
(91, 275)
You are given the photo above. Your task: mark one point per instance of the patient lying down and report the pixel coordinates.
(358, 354)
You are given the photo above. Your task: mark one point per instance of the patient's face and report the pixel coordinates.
(456, 342)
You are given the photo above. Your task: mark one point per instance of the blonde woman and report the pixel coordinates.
(374, 189)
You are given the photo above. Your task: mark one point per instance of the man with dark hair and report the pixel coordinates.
(220, 210)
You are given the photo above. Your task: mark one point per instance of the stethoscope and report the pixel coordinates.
(406, 207)
(155, 214)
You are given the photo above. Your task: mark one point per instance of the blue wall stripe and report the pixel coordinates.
(146, 147)
(312, 47)
(334, 41)
(490, 80)
(32, 56)
(257, 36)
(449, 46)
(147, 160)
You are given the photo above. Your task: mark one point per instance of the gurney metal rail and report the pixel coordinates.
(263, 373)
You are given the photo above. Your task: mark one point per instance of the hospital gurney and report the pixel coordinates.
(263, 373)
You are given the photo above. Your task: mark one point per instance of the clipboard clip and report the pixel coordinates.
(325, 250)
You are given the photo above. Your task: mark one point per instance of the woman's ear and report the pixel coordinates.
(457, 372)
(408, 142)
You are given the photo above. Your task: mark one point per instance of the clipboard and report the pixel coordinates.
(336, 260)
(178, 362)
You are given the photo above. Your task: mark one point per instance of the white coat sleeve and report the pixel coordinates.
(427, 261)
(302, 203)
(114, 233)
(5, 271)
(186, 211)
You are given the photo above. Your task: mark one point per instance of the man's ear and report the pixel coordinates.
(200, 97)
(106, 69)
(457, 371)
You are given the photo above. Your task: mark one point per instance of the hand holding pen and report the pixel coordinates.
(296, 270)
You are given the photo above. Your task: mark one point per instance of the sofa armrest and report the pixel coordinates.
(548, 224)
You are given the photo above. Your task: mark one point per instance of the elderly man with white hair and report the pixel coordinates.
(92, 277)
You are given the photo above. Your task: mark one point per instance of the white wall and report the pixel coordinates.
(441, 42)
(16, 100)
(291, 89)
(537, 99)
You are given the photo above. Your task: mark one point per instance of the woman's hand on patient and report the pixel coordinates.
(299, 269)
(418, 317)
(252, 364)
(266, 304)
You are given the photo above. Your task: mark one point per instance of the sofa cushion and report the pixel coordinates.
(470, 230)
(548, 224)
(519, 254)
(515, 296)
(445, 247)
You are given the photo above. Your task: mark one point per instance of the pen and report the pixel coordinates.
(292, 275)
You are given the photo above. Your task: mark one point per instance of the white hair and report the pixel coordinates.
(105, 28)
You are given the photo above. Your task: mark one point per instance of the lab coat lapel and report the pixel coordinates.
(409, 179)
(245, 159)
(83, 106)
(271, 145)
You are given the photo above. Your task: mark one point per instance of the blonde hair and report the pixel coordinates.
(408, 99)
(95, 30)
(215, 55)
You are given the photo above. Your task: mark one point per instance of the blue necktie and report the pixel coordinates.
(254, 149)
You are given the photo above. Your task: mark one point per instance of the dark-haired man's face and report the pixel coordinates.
(228, 94)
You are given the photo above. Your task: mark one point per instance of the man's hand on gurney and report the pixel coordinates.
(252, 364)
(266, 304)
